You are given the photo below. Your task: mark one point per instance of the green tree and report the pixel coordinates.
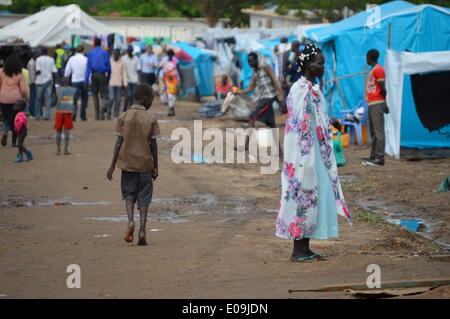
(33, 6)
(326, 8)
(133, 8)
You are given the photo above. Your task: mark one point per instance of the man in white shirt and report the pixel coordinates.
(132, 67)
(148, 66)
(45, 83)
(76, 66)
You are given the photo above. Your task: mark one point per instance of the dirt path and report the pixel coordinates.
(213, 225)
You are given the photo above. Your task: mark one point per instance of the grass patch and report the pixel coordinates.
(369, 217)
(357, 187)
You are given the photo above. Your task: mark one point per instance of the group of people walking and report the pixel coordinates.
(64, 80)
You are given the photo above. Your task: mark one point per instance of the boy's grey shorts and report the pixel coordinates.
(138, 187)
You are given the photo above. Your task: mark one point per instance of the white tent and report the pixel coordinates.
(52, 26)
(301, 29)
(397, 64)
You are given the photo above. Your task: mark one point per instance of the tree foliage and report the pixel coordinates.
(326, 8)
(212, 10)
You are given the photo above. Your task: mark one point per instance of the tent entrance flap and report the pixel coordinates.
(432, 99)
(403, 120)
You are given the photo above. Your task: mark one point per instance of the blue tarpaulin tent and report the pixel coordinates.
(203, 67)
(414, 28)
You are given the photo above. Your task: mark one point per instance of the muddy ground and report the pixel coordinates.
(211, 226)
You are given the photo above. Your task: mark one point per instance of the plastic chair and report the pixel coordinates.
(354, 126)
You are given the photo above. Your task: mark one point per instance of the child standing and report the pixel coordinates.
(171, 78)
(136, 154)
(64, 109)
(20, 126)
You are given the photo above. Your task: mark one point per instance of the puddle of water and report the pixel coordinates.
(177, 221)
(202, 200)
(72, 203)
(165, 139)
(102, 236)
(183, 209)
(168, 121)
(46, 137)
(3, 295)
(155, 230)
(61, 202)
(125, 219)
(15, 203)
(7, 227)
(225, 220)
(107, 219)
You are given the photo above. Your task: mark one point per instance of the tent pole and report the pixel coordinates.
(339, 90)
(347, 76)
(389, 36)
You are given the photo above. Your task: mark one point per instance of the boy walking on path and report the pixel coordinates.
(375, 93)
(136, 154)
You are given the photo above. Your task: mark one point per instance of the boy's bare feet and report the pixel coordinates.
(58, 152)
(129, 234)
(142, 239)
(66, 152)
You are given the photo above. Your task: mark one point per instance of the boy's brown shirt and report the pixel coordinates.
(137, 126)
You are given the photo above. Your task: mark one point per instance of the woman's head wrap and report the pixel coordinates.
(308, 53)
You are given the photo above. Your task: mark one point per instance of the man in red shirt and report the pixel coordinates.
(375, 93)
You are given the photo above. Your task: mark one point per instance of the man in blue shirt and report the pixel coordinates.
(99, 65)
(148, 66)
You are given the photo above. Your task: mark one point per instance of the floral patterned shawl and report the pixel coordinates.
(297, 217)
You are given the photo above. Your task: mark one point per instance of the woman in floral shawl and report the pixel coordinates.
(311, 195)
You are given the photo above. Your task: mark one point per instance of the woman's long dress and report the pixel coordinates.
(311, 195)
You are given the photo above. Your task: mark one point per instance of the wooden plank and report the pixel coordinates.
(386, 285)
(386, 293)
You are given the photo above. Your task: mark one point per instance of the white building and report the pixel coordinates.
(262, 17)
(267, 17)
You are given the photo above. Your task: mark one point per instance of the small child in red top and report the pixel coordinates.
(20, 126)
(223, 87)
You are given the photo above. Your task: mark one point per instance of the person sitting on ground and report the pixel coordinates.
(223, 87)
(136, 153)
(20, 126)
(63, 118)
